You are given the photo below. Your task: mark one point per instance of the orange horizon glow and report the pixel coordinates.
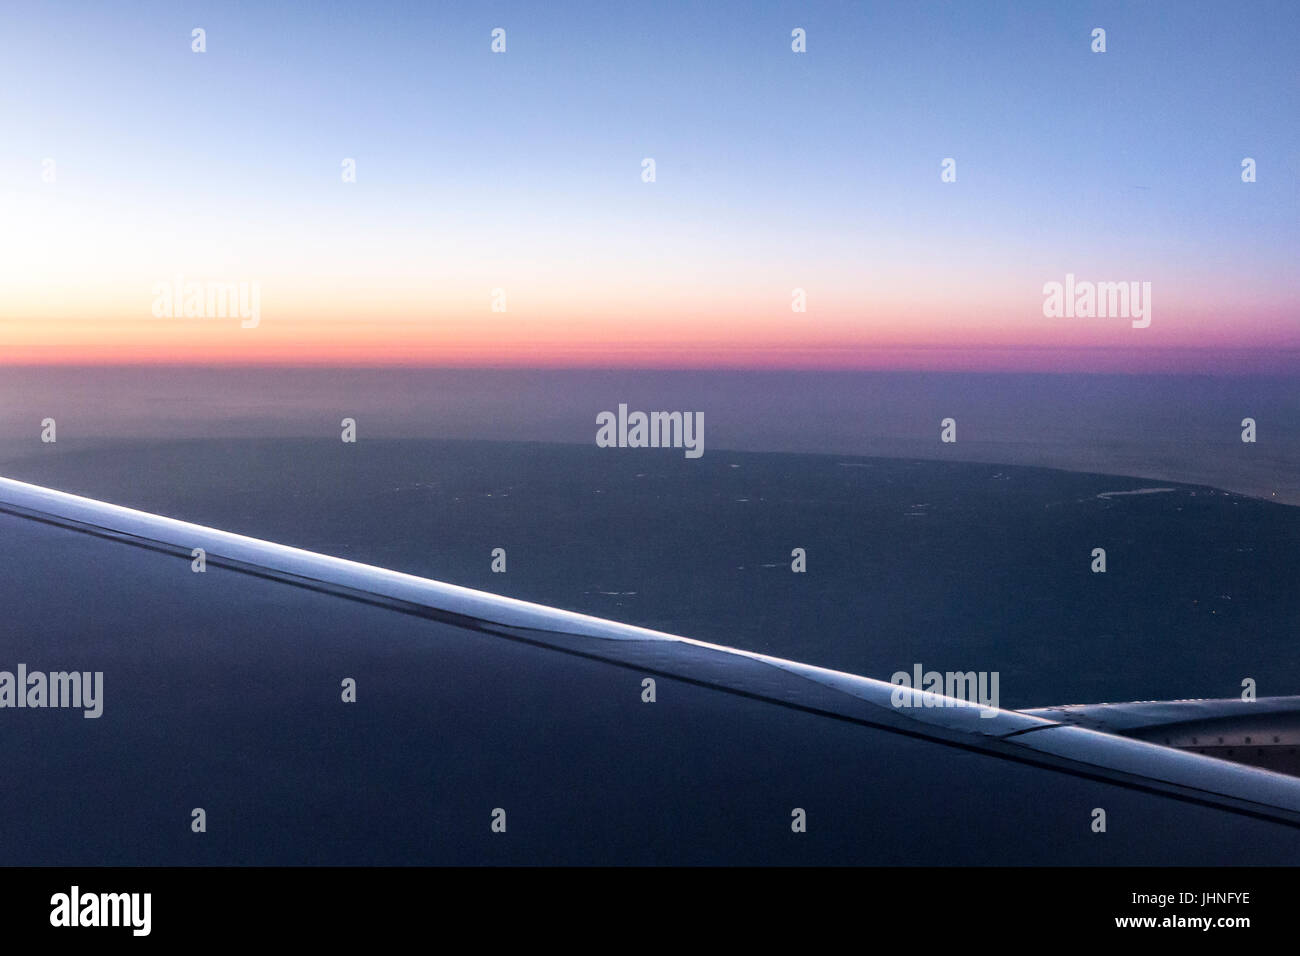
(629, 355)
(685, 338)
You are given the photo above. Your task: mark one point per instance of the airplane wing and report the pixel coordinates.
(1259, 733)
(221, 692)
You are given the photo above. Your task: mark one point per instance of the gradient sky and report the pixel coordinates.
(774, 171)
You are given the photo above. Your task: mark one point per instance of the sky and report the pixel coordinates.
(522, 172)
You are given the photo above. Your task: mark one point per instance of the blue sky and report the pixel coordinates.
(823, 165)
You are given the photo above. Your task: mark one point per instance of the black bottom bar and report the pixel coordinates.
(336, 905)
